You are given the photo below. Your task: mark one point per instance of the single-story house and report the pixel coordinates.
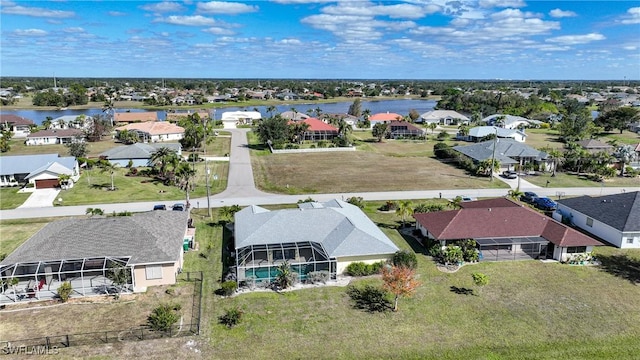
(595, 146)
(443, 117)
(510, 121)
(71, 122)
(384, 117)
(349, 119)
(505, 230)
(55, 136)
(294, 115)
(232, 118)
(612, 218)
(139, 153)
(42, 170)
(132, 117)
(480, 132)
(155, 131)
(84, 252)
(19, 126)
(507, 151)
(404, 129)
(319, 130)
(315, 237)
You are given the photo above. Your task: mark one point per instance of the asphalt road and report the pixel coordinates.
(241, 191)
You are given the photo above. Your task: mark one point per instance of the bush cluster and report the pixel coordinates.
(456, 252)
(359, 268)
(445, 152)
(405, 258)
(231, 317)
(318, 277)
(227, 288)
(164, 317)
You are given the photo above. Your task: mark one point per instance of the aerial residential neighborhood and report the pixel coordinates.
(320, 179)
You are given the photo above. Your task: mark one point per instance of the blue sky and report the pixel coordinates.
(415, 39)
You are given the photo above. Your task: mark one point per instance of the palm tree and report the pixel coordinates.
(107, 166)
(556, 156)
(404, 209)
(185, 177)
(344, 130)
(432, 126)
(108, 108)
(162, 158)
(63, 179)
(380, 130)
(456, 203)
(463, 129)
(515, 193)
(271, 109)
(227, 212)
(47, 122)
(625, 154)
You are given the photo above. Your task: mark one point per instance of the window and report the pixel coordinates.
(153, 272)
(576, 249)
(629, 240)
(589, 222)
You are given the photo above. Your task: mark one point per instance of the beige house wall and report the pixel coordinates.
(169, 271)
(343, 262)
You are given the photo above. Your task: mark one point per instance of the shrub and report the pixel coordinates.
(130, 163)
(369, 298)
(227, 288)
(64, 291)
(163, 317)
(405, 258)
(316, 277)
(357, 201)
(452, 255)
(358, 268)
(231, 317)
(388, 206)
(443, 135)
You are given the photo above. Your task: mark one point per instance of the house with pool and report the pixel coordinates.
(316, 236)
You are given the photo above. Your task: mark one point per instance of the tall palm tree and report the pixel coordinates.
(404, 209)
(108, 108)
(625, 154)
(162, 158)
(344, 130)
(271, 109)
(432, 126)
(556, 156)
(185, 179)
(109, 167)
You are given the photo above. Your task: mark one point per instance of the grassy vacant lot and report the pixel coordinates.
(387, 166)
(93, 187)
(94, 148)
(15, 232)
(571, 180)
(10, 198)
(529, 310)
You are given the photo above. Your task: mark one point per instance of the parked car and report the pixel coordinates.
(468, 198)
(529, 197)
(159, 207)
(546, 204)
(509, 174)
(177, 207)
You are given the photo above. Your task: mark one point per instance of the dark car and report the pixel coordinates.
(529, 197)
(546, 204)
(159, 207)
(177, 207)
(509, 174)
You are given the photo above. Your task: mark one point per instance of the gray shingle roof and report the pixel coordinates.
(620, 211)
(343, 229)
(506, 150)
(137, 150)
(25, 164)
(151, 237)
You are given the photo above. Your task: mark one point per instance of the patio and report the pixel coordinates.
(523, 248)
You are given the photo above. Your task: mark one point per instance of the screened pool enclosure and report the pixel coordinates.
(41, 280)
(260, 262)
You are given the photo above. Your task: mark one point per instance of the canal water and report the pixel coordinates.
(402, 107)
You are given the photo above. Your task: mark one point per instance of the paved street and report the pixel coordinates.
(241, 190)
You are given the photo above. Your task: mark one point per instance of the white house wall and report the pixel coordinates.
(599, 229)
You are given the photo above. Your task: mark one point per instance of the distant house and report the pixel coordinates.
(384, 117)
(139, 153)
(349, 119)
(479, 133)
(294, 115)
(132, 117)
(41, 170)
(155, 131)
(288, 96)
(510, 121)
(19, 126)
(594, 146)
(443, 117)
(232, 118)
(70, 122)
(612, 218)
(315, 237)
(505, 230)
(55, 136)
(507, 151)
(319, 130)
(84, 252)
(404, 130)
(177, 116)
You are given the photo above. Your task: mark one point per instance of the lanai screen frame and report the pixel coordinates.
(89, 266)
(246, 260)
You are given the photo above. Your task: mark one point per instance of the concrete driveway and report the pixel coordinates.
(41, 198)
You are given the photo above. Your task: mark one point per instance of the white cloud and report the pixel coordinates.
(557, 13)
(11, 8)
(291, 41)
(397, 11)
(74, 30)
(221, 7)
(116, 13)
(576, 39)
(196, 20)
(165, 6)
(30, 32)
(632, 17)
(218, 31)
(501, 3)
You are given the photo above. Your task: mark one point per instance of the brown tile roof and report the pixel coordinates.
(153, 127)
(59, 133)
(15, 120)
(135, 116)
(499, 222)
(490, 203)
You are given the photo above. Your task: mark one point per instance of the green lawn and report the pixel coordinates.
(571, 180)
(93, 187)
(15, 232)
(10, 198)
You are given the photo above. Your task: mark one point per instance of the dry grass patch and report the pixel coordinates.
(15, 232)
